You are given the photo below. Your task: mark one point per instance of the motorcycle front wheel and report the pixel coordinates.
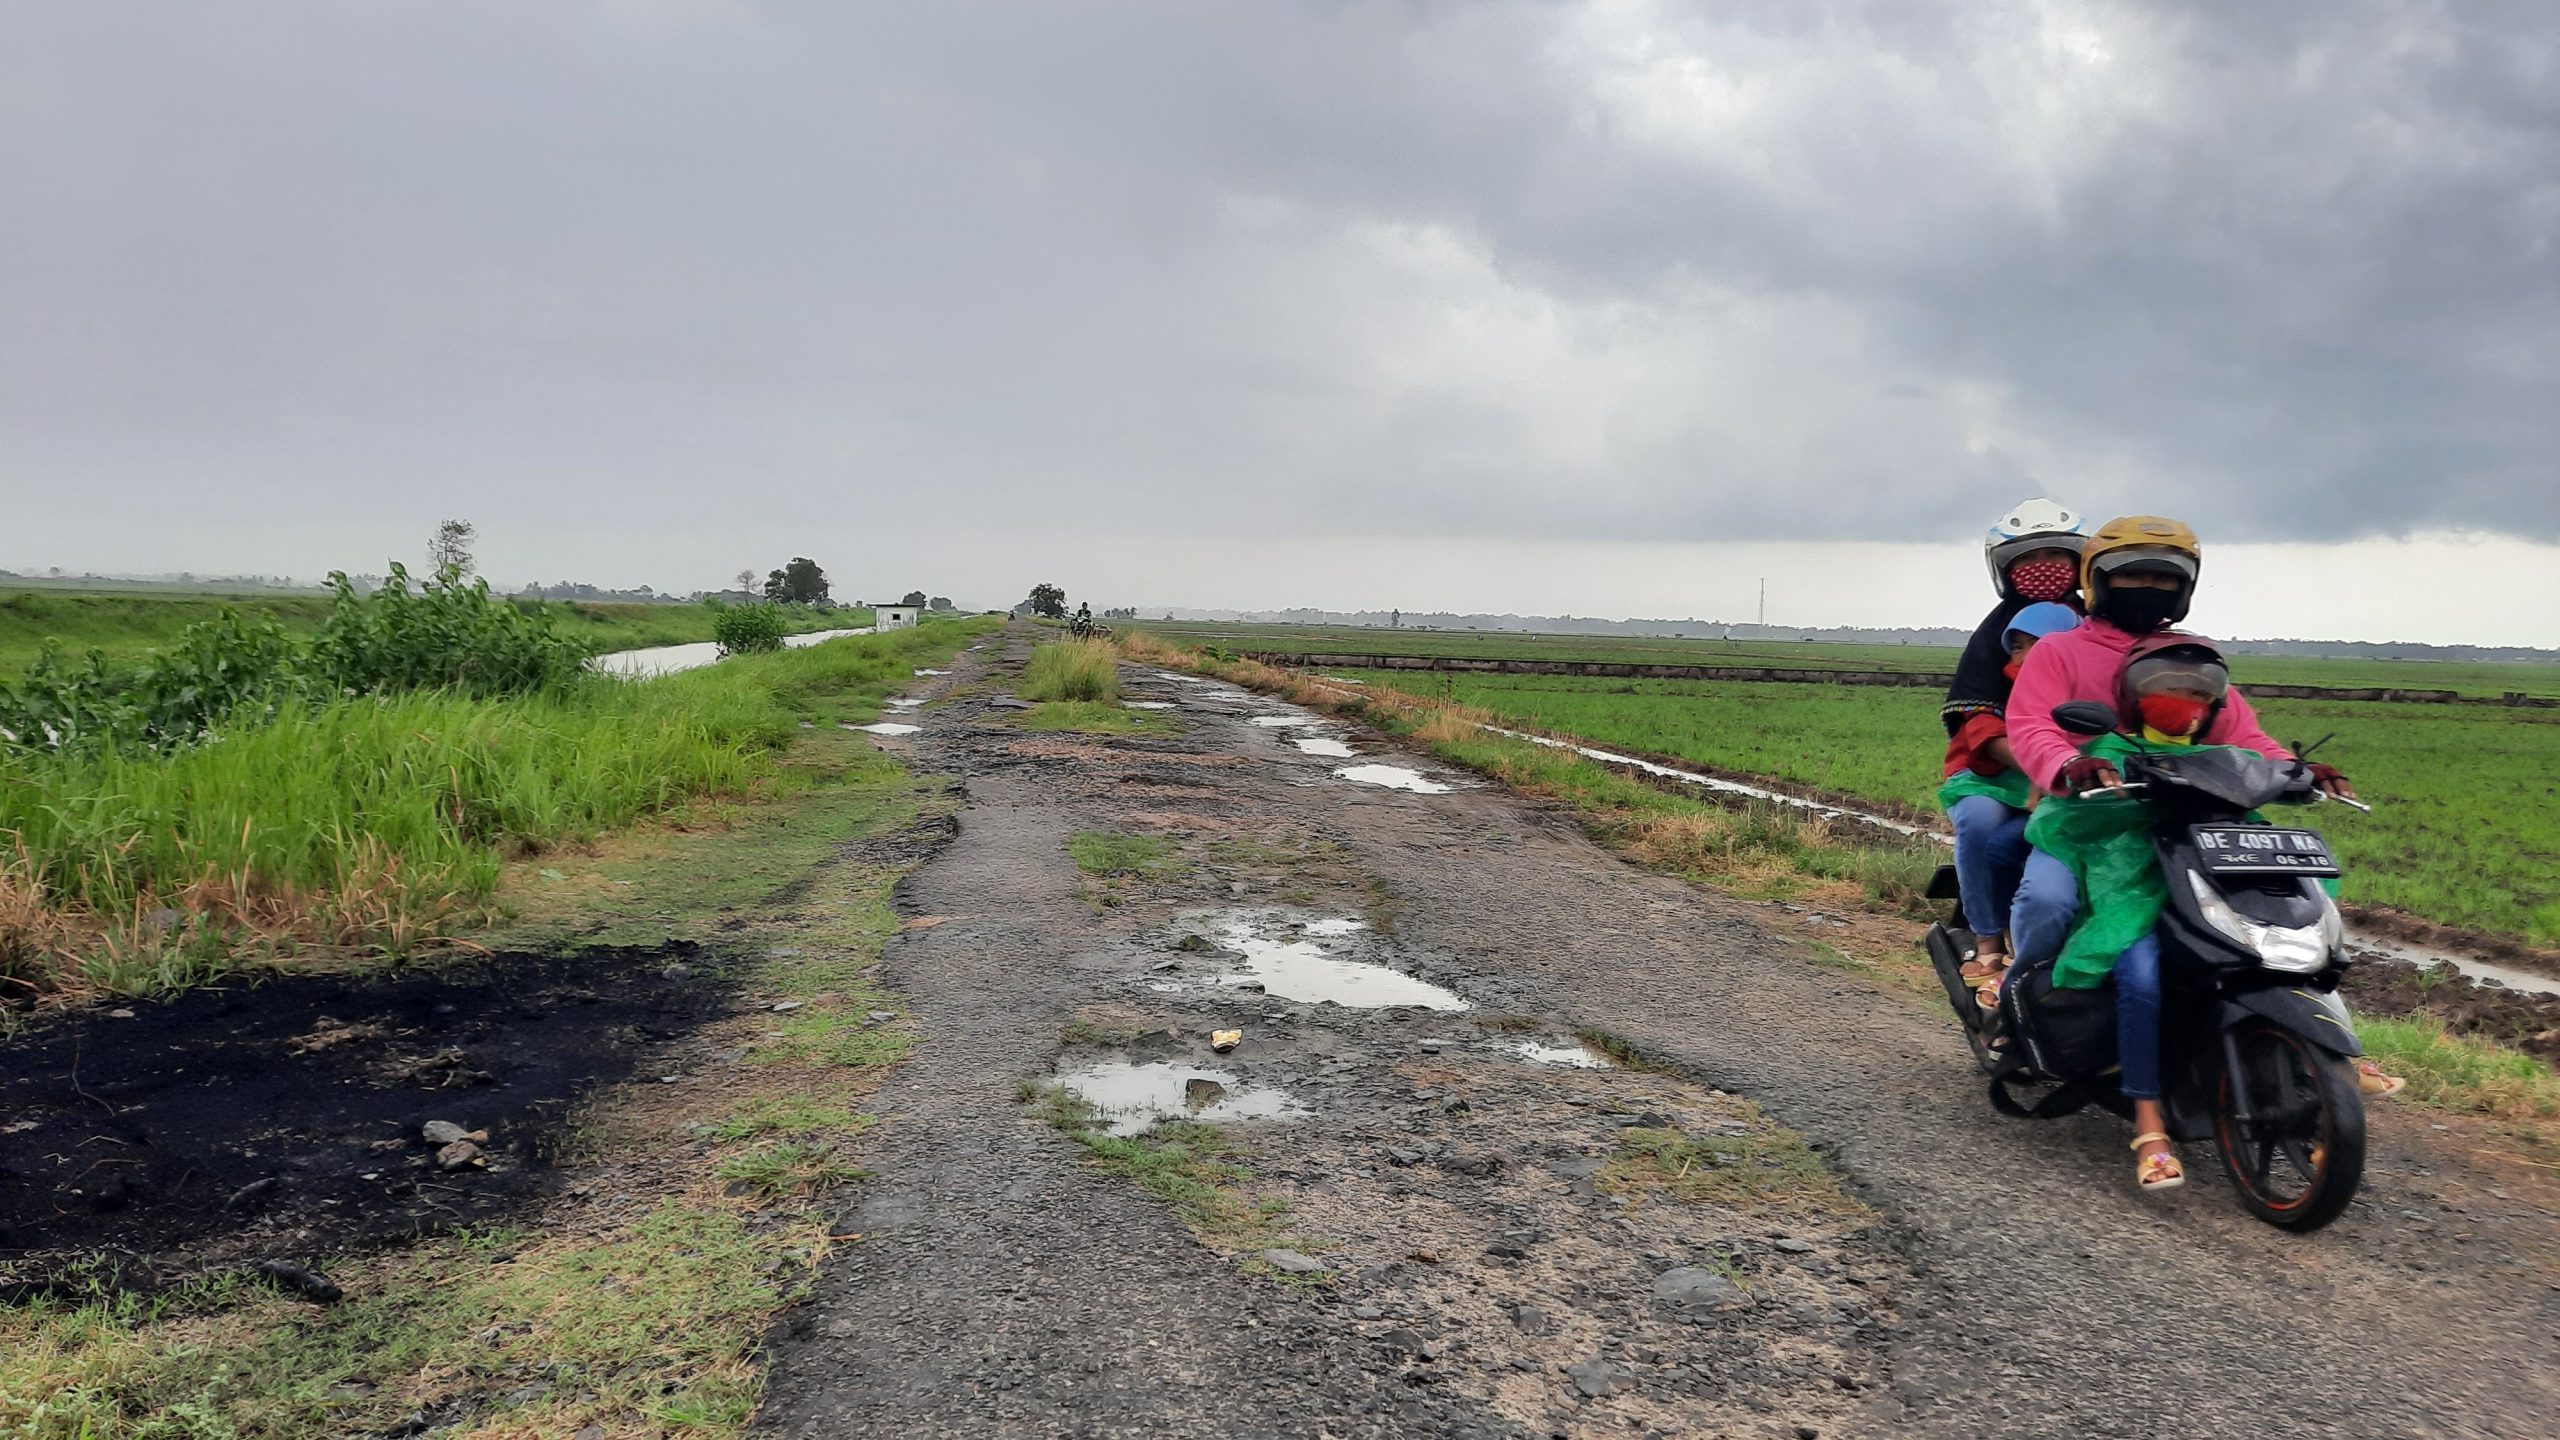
(2298, 1164)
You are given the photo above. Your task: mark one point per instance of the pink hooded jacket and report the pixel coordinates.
(2082, 664)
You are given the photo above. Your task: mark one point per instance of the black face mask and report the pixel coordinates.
(2140, 611)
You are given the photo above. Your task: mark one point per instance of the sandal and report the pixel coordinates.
(2159, 1170)
(1987, 994)
(1981, 967)
(2376, 1083)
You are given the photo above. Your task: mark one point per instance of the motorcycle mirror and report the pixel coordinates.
(2303, 752)
(2084, 717)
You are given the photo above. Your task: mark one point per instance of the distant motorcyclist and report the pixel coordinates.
(2033, 555)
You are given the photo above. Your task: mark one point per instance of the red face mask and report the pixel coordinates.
(2012, 668)
(2036, 578)
(2177, 715)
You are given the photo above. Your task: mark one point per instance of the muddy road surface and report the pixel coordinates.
(1432, 1209)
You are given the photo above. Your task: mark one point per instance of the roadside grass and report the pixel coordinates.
(1190, 1166)
(1768, 1168)
(1093, 717)
(1083, 670)
(646, 1323)
(378, 825)
(2457, 1072)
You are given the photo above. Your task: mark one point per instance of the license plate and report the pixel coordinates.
(2262, 850)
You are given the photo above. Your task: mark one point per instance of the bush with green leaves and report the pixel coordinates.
(447, 635)
(746, 629)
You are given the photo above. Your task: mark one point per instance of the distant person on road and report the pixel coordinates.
(1986, 798)
(2033, 555)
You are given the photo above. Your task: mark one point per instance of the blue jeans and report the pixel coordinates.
(2137, 982)
(1991, 850)
(2040, 916)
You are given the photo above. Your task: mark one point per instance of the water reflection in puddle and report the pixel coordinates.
(888, 727)
(1133, 1097)
(1325, 745)
(933, 672)
(1149, 704)
(1541, 1052)
(1285, 722)
(901, 702)
(1394, 777)
(1300, 970)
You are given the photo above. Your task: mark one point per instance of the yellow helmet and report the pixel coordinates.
(2140, 540)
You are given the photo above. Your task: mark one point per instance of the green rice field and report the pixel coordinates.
(2465, 831)
(2480, 678)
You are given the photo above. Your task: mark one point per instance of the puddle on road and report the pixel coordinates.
(1393, 777)
(888, 727)
(1285, 722)
(1298, 969)
(901, 702)
(1326, 746)
(1149, 704)
(1183, 679)
(1133, 1097)
(933, 672)
(1543, 1052)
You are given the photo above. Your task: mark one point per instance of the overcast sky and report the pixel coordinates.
(1529, 307)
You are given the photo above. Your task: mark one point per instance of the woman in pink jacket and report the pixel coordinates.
(2139, 572)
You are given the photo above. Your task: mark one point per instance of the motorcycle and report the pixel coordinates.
(2256, 1050)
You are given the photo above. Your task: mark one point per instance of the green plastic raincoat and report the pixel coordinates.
(2107, 843)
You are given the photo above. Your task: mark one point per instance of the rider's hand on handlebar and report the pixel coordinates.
(2330, 782)
(2087, 773)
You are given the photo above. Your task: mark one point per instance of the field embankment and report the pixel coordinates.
(129, 626)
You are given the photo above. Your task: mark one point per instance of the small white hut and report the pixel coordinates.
(893, 617)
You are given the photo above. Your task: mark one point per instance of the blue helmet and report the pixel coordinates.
(2045, 617)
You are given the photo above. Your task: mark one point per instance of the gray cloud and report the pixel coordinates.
(746, 270)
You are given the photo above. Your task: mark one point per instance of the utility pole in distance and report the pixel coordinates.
(1764, 599)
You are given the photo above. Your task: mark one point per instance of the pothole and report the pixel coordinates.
(1393, 777)
(1299, 969)
(1576, 1056)
(1131, 1097)
(1324, 745)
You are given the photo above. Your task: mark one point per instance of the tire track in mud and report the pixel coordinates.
(2013, 1284)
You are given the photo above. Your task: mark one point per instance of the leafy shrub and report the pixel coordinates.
(448, 635)
(746, 629)
(1072, 670)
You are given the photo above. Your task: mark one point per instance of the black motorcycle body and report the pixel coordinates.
(2256, 1050)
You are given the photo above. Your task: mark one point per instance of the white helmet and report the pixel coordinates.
(2030, 525)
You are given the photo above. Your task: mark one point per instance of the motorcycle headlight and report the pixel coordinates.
(2299, 950)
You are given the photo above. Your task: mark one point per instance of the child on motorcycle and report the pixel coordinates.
(2033, 555)
(1985, 796)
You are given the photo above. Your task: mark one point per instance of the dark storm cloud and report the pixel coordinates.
(1619, 271)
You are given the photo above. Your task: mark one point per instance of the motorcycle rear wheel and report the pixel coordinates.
(2300, 1164)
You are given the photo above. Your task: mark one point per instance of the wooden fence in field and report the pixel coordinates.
(1913, 679)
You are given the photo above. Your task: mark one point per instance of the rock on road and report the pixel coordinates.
(2004, 1280)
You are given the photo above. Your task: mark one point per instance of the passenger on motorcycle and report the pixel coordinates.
(2167, 694)
(1985, 796)
(2033, 555)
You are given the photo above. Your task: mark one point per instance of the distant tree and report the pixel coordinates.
(799, 583)
(914, 600)
(940, 602)
(747, 583)
(1395, 619)
(451, 547)
(1048, 600)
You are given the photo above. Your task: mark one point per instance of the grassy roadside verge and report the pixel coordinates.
(376, 824)
(128, 626)
(1767, 853)
(692, 1213)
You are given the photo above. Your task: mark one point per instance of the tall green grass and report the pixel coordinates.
(1072, 670)
(382, 820)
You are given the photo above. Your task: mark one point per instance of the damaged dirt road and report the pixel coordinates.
(1409, 1200)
